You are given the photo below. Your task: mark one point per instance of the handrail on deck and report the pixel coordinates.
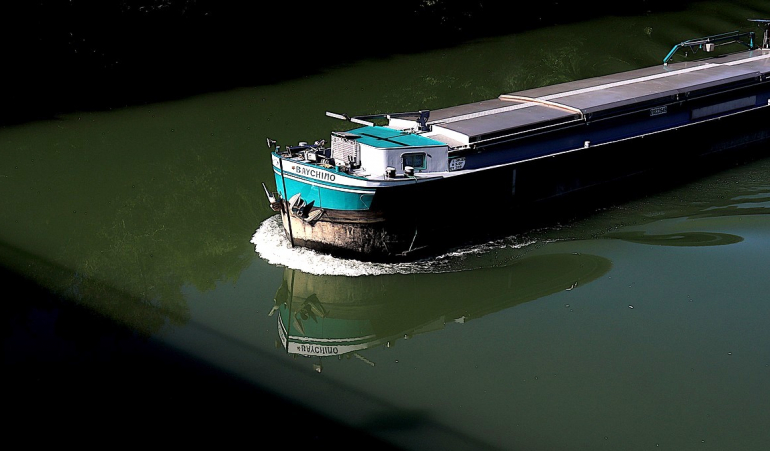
(709, 43)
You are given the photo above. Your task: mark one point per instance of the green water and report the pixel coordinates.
(639, 326)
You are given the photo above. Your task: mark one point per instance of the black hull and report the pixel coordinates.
(424, 219)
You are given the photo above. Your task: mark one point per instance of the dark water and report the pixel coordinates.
(639, 325)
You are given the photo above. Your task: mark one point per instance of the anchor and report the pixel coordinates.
(304, 210)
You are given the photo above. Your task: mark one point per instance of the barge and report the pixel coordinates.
(398, 186)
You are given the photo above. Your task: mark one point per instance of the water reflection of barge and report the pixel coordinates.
(430, 179)
(335, 315)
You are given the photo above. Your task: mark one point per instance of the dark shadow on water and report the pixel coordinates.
(96, 55)
(72, 375)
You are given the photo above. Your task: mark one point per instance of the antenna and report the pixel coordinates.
(345, 117)
(422, 117)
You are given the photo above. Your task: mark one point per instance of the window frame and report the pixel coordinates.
(404, 156)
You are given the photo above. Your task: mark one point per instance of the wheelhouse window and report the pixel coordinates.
(415, 160)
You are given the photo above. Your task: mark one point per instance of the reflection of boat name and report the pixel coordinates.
(315, 173)
(317, 349)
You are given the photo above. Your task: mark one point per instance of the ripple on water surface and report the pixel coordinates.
(271, 244)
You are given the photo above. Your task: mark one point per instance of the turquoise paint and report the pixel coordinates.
(388, 138)
(323, 196)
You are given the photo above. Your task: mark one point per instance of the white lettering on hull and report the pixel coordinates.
(311, 349)
(316, 174)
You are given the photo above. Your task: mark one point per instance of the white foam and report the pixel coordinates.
(272, 245)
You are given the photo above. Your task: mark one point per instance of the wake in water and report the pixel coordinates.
(272, 245)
